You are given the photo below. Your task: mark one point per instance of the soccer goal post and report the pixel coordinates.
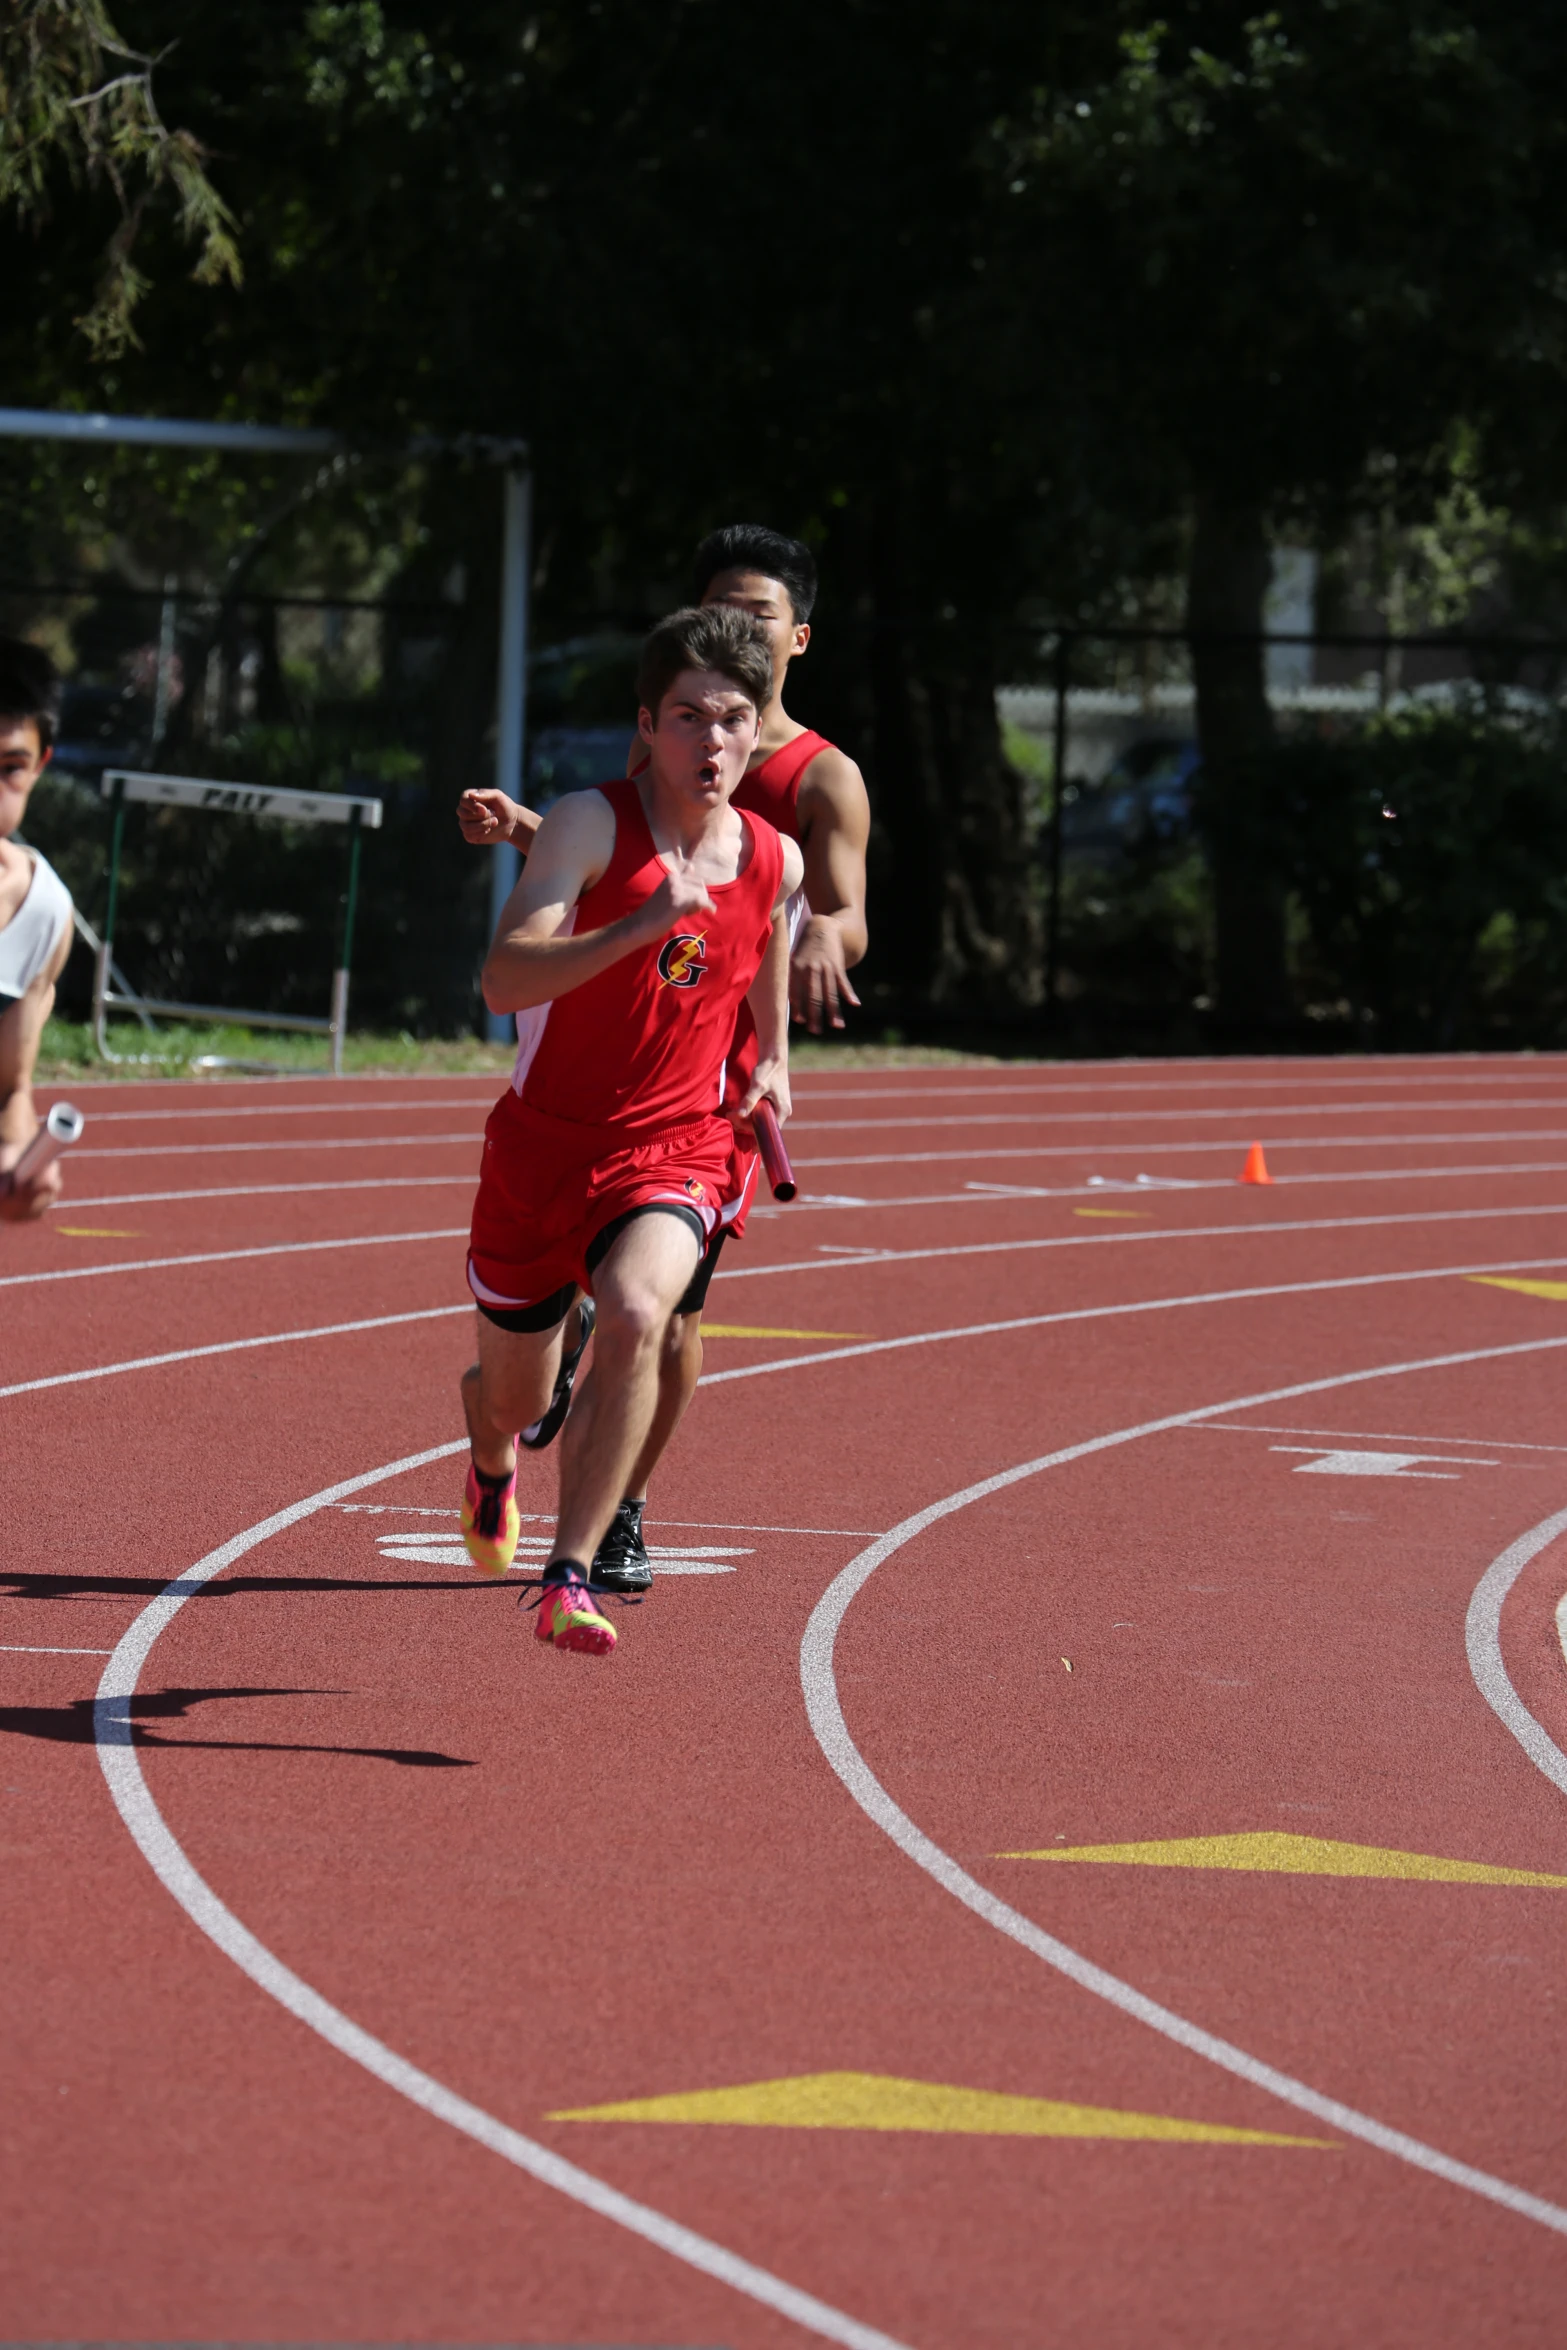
(120, 786)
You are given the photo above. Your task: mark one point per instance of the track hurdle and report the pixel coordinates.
(122, 785)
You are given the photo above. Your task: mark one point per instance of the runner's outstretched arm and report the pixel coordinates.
(533, 958)
(768, 998)
(835, 821)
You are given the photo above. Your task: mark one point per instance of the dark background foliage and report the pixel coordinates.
(1022, 315)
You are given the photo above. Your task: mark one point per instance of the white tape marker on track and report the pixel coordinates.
(114, 1732)
(819, 1682)
(835, 1354)
(1483, 1641)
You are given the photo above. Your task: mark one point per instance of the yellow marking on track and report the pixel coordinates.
(1552, 1289)
(95, 1232)
(1299, 1856)
(745, 1330)
(879, 2101)
(1122, 1215)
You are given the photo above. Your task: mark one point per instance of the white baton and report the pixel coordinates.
(60, 1129)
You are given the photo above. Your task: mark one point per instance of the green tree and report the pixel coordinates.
(1301, 248)
(77, 103)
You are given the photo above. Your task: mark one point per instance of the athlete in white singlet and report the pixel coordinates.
(35, 918)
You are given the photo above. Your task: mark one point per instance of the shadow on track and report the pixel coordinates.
(20, 1586)
(72, 1725)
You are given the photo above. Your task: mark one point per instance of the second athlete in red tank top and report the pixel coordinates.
(813, 793)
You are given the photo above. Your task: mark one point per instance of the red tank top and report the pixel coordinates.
(642, 1045)
(773, 789)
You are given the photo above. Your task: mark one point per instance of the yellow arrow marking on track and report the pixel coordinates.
(1122, 1215)
(1301, 1856)
(879, 2101)
(744, 1330)
(95, 1232)
(1554, 1289)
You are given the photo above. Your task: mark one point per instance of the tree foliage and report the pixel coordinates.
(1014, 313)
(76, 101)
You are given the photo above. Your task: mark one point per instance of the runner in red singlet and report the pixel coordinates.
(648, 912)
(814, 794)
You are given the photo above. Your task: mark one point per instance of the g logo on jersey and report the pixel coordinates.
(682, 961)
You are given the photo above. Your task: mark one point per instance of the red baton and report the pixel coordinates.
(770, 1142)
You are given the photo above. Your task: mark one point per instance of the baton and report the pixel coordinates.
(770, 1142)
(60, 1129)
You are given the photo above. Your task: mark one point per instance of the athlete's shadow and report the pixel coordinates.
(14, 1585)
(74, 1725)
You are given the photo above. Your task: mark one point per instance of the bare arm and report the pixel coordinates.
(835, 822)
(532, 959)
(21, 1030)
(768, 998)
(486, 818)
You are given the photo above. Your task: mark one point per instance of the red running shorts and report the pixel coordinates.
(548, 1187)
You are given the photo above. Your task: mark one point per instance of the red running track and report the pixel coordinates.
(352, 1892)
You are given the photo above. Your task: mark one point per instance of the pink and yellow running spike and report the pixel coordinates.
(569, 1619)
(490, 1523)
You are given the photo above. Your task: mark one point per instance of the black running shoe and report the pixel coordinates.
(621, 1562)
(545, 1431)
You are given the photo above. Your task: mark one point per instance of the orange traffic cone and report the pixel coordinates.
(1256, 1167)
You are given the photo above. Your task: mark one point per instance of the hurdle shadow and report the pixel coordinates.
(73, 1724)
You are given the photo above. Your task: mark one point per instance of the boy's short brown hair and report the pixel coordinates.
(29, 689)
(709, 636)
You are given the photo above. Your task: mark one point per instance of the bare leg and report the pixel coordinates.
(508, 1388)
(679, 1369)
(608, 1430)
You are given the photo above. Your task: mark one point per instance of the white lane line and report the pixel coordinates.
(345, 1185)
(997, 1248)
(819, 1682)
(114, 1732)
(351, 1186)
(1140, 1305)
(1262, 1112)
(227, 1110)
(1483, 1643)
(1165, 1150)
(305, 1146)
(18, 1648)
(227, 1346)
(392, 1509)
(1313, 1078)
(976, 1196)
(837, 1354)
(1376, 1436)
(230, 1256)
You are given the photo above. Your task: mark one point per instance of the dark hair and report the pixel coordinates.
(749, 546)
(714, 636)
(29, 688)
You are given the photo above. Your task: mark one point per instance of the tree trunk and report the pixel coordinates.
(1230, 568)
(992, 931)
(959, 920)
